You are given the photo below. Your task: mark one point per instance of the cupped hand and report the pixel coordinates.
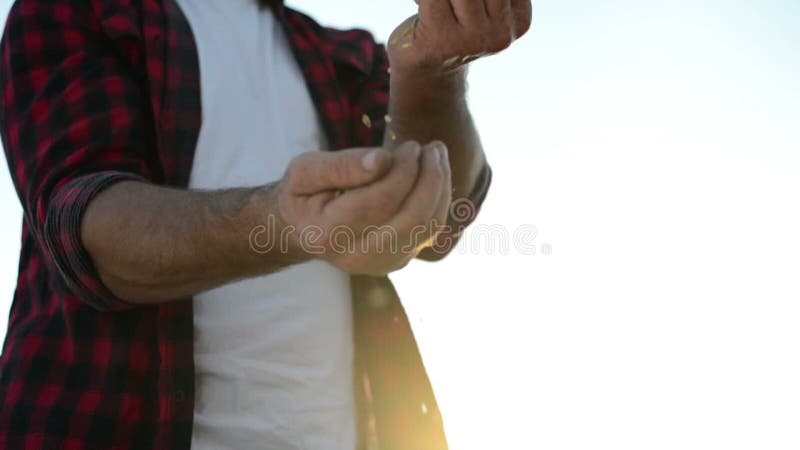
(367, 210)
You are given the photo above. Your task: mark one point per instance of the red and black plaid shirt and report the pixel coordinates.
(94, 92)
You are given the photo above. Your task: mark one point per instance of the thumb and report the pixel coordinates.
(318, 171)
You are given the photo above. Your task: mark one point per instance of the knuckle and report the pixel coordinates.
(300, 161)
(297, 168)
(291, 177)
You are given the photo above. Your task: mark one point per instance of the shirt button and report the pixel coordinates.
(179, 395)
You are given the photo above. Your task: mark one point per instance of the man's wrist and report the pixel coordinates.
(423, 91)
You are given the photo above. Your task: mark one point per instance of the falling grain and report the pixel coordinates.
(410, 30)
(449, 62)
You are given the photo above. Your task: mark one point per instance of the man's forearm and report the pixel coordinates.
(152, 244)
(435, 108)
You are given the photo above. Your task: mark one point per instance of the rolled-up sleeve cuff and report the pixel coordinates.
(463, 211)
(62, 237)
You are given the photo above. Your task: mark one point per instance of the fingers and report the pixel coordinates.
(498, 10)
(508, 20)
(442, 210)
(445, 196)
(424, 234)
(377, 202)
(522, 11)
(421, 205)
(470, 13)
(439, 12)
(315, 172)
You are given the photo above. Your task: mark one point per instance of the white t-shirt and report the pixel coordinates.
(273, 354)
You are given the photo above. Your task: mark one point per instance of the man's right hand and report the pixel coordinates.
(366, 210)
(151, 244)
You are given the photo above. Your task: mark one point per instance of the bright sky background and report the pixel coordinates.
(655, 147)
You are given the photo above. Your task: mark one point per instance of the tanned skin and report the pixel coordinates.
(154, 244)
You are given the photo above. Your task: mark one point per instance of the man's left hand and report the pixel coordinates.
(445, 35)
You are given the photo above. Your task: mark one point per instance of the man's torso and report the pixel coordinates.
(273, 354)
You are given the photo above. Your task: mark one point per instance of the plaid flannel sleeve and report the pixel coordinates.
(71, 124)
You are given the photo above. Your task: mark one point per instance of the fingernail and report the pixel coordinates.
(370, 160)
(442, 150)
(415, 147)
(437, 152)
